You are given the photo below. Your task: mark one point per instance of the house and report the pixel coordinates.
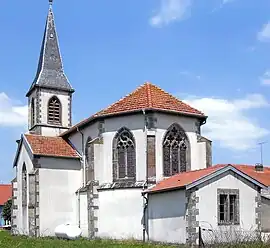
(219, 199)
(5, 195)
(92, 174)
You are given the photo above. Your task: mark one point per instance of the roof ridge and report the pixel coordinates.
(121, 99)
(173, 97)
(149, 94)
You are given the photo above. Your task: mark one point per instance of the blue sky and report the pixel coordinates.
(213, 54)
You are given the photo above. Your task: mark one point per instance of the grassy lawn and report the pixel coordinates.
(8, 241)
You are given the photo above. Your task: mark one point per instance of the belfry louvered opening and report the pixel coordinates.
(54, 111)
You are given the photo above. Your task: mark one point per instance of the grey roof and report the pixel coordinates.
(50, 72)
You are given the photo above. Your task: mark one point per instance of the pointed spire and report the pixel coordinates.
(50, 72)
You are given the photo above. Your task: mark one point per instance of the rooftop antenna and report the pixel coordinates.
(261, 146)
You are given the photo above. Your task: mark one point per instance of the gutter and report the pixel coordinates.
(83, 157)
(145, 185)
(83, 177)
(96, 116)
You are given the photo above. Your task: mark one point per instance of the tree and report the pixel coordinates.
(6, 213)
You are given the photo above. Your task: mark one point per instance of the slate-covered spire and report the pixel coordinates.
(50, 73)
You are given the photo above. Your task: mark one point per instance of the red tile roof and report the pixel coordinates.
(5, 193)
(51, 146)
(147, 96)
(186, 178)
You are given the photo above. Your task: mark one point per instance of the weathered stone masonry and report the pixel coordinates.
(33, 205)
(192, 224)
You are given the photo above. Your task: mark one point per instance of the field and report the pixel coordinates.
(8, 241)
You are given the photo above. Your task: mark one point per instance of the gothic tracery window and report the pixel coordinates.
(54, 111)
(175, 151)
(124, 156)
(89, 156)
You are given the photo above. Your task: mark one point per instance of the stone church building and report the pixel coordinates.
(106, 174)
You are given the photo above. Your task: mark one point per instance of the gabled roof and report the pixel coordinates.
(5, 193)
(146, 97)
(193, 178)
(50, 146)
(50, 73)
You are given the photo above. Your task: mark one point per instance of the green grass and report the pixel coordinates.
(8, 241)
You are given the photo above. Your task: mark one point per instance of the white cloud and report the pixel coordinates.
(265, 79)
(223, 2)
(264, 34)
(228, 121)
(190, 75)
(170, 11)
(11, 114)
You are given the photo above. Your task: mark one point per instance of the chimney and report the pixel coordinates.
(258, 167)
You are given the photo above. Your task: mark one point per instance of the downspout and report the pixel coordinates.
(83, 157)
(83, 178)
(145, 185)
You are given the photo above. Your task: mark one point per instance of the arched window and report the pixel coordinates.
(54, 111)
(175, 151)
(90, 162)
(33, 115)
(24, 185)
(124, 156)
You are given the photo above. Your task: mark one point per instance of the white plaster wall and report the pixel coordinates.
(103, 153)
(164, 121)
(83, 214)
(88, 131)
(64, 99)
(208, 208)
(202, 153)
(59, 179)
(135, 123)
(120, 214)
(103, 161)
(167, 217)
(24, 157)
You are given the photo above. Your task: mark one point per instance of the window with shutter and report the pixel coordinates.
(54, 111)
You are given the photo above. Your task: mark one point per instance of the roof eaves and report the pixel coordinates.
(17, 152)
(149, 191)
(221, 171)
(98, 116)
(56, 156)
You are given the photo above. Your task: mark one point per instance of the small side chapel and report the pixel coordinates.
(92, 174)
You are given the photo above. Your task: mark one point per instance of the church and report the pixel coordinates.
(138, 169)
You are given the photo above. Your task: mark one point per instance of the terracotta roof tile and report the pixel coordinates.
(149, 96)
(5, 193)
(183, 179)
(51, 146)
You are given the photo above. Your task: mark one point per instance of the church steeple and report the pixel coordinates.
(50, 72)
(50, 95)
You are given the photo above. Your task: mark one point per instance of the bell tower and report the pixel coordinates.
(50, 95)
